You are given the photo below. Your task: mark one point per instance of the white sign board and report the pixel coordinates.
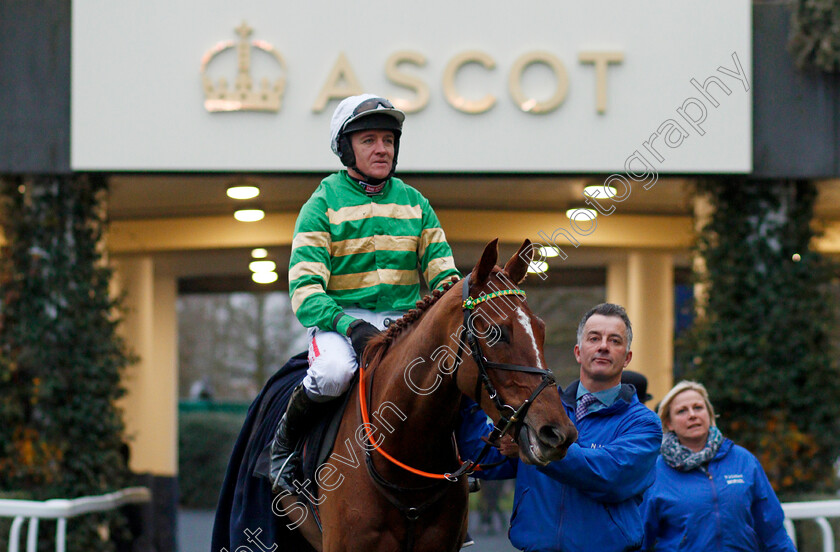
(538, 86)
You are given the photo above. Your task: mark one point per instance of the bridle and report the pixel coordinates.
(517, 414)
(505, 423)
(392, 491)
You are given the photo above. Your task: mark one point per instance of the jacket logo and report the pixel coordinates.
(734, 478)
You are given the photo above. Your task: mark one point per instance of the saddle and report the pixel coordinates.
(317, 445)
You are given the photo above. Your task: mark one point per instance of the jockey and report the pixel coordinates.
(358, 243)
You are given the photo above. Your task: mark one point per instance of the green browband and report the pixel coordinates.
(470, 303)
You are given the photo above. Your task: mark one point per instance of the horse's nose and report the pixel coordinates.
(554, 436)
(551, 436)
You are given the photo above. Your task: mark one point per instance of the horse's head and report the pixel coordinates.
(508, 375)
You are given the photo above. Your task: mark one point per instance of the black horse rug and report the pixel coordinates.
(244, 516)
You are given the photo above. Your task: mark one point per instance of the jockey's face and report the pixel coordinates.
(374, 150)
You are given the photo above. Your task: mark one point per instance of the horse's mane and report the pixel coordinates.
(379, 344)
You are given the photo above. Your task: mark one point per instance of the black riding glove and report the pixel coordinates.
(360, 334)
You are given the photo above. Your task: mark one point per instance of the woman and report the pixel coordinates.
(710, 495)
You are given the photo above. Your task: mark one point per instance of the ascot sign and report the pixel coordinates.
(545, 86)
(343, 80)
(343, 71)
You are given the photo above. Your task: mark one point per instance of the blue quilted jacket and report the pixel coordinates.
(730, 507)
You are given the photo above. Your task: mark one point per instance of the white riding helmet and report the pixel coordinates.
(364, 112)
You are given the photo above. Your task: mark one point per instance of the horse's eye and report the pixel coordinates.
(503, 332)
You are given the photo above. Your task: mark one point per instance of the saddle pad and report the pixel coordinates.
(318, 445)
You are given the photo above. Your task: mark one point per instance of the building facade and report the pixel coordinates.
(511, 114)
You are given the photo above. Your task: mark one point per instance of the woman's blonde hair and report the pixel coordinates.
(664, 409)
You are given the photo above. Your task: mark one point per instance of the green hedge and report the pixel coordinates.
(815, 35)
(205, 441)
(61, 357)
(761, 343)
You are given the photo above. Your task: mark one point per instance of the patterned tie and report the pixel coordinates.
(583, 405)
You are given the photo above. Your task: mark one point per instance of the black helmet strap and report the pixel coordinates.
(370, 121)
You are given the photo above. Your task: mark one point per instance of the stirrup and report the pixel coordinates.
(286, 475)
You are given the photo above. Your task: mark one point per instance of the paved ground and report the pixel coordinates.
(194, 529)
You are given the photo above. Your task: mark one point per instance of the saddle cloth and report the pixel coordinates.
(244, 509)
(317, 445)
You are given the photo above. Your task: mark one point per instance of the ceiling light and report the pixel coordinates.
(581, 214)
(262, 266)
(537, 267)
(243, 192)
(264, 277)
(249, 215)
(600, 191)
(546, 251)
(259, 253)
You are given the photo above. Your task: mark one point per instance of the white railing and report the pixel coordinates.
(819, 511)
(61, 509)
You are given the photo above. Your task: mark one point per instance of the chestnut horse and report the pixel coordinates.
(394, 480)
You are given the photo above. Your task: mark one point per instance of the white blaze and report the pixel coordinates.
(525, 320)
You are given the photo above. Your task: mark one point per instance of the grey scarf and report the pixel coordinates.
(682, 458)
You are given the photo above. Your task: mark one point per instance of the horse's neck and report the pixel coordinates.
(425, 399)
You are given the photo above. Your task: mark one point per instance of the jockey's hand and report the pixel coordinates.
(360, 333)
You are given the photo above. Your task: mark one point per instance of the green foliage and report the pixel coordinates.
(205, 441)
(762, 345)
(61, 434)
(815, 36)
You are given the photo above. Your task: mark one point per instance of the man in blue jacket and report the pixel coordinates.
(589, 500)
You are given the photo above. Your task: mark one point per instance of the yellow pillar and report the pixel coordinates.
(650, 305)
(150, 329)
(617, 283)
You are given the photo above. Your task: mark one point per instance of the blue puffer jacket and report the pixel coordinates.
(732, 508)
(589, 500)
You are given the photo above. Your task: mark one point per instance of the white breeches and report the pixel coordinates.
(332, 361)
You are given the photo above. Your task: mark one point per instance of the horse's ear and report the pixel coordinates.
(485, 265)
(517, 266)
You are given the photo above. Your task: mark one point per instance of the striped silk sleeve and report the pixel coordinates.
(436, 260)
(309, 271)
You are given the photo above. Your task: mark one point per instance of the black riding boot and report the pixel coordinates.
(285, 460)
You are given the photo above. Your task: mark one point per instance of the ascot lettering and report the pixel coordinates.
(342, 80)
(407, 80)
(453, 97)
(531, 105)
(341, 83)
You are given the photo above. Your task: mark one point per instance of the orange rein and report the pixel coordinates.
(366, 421)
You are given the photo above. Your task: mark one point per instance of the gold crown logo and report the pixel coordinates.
(243, 97)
